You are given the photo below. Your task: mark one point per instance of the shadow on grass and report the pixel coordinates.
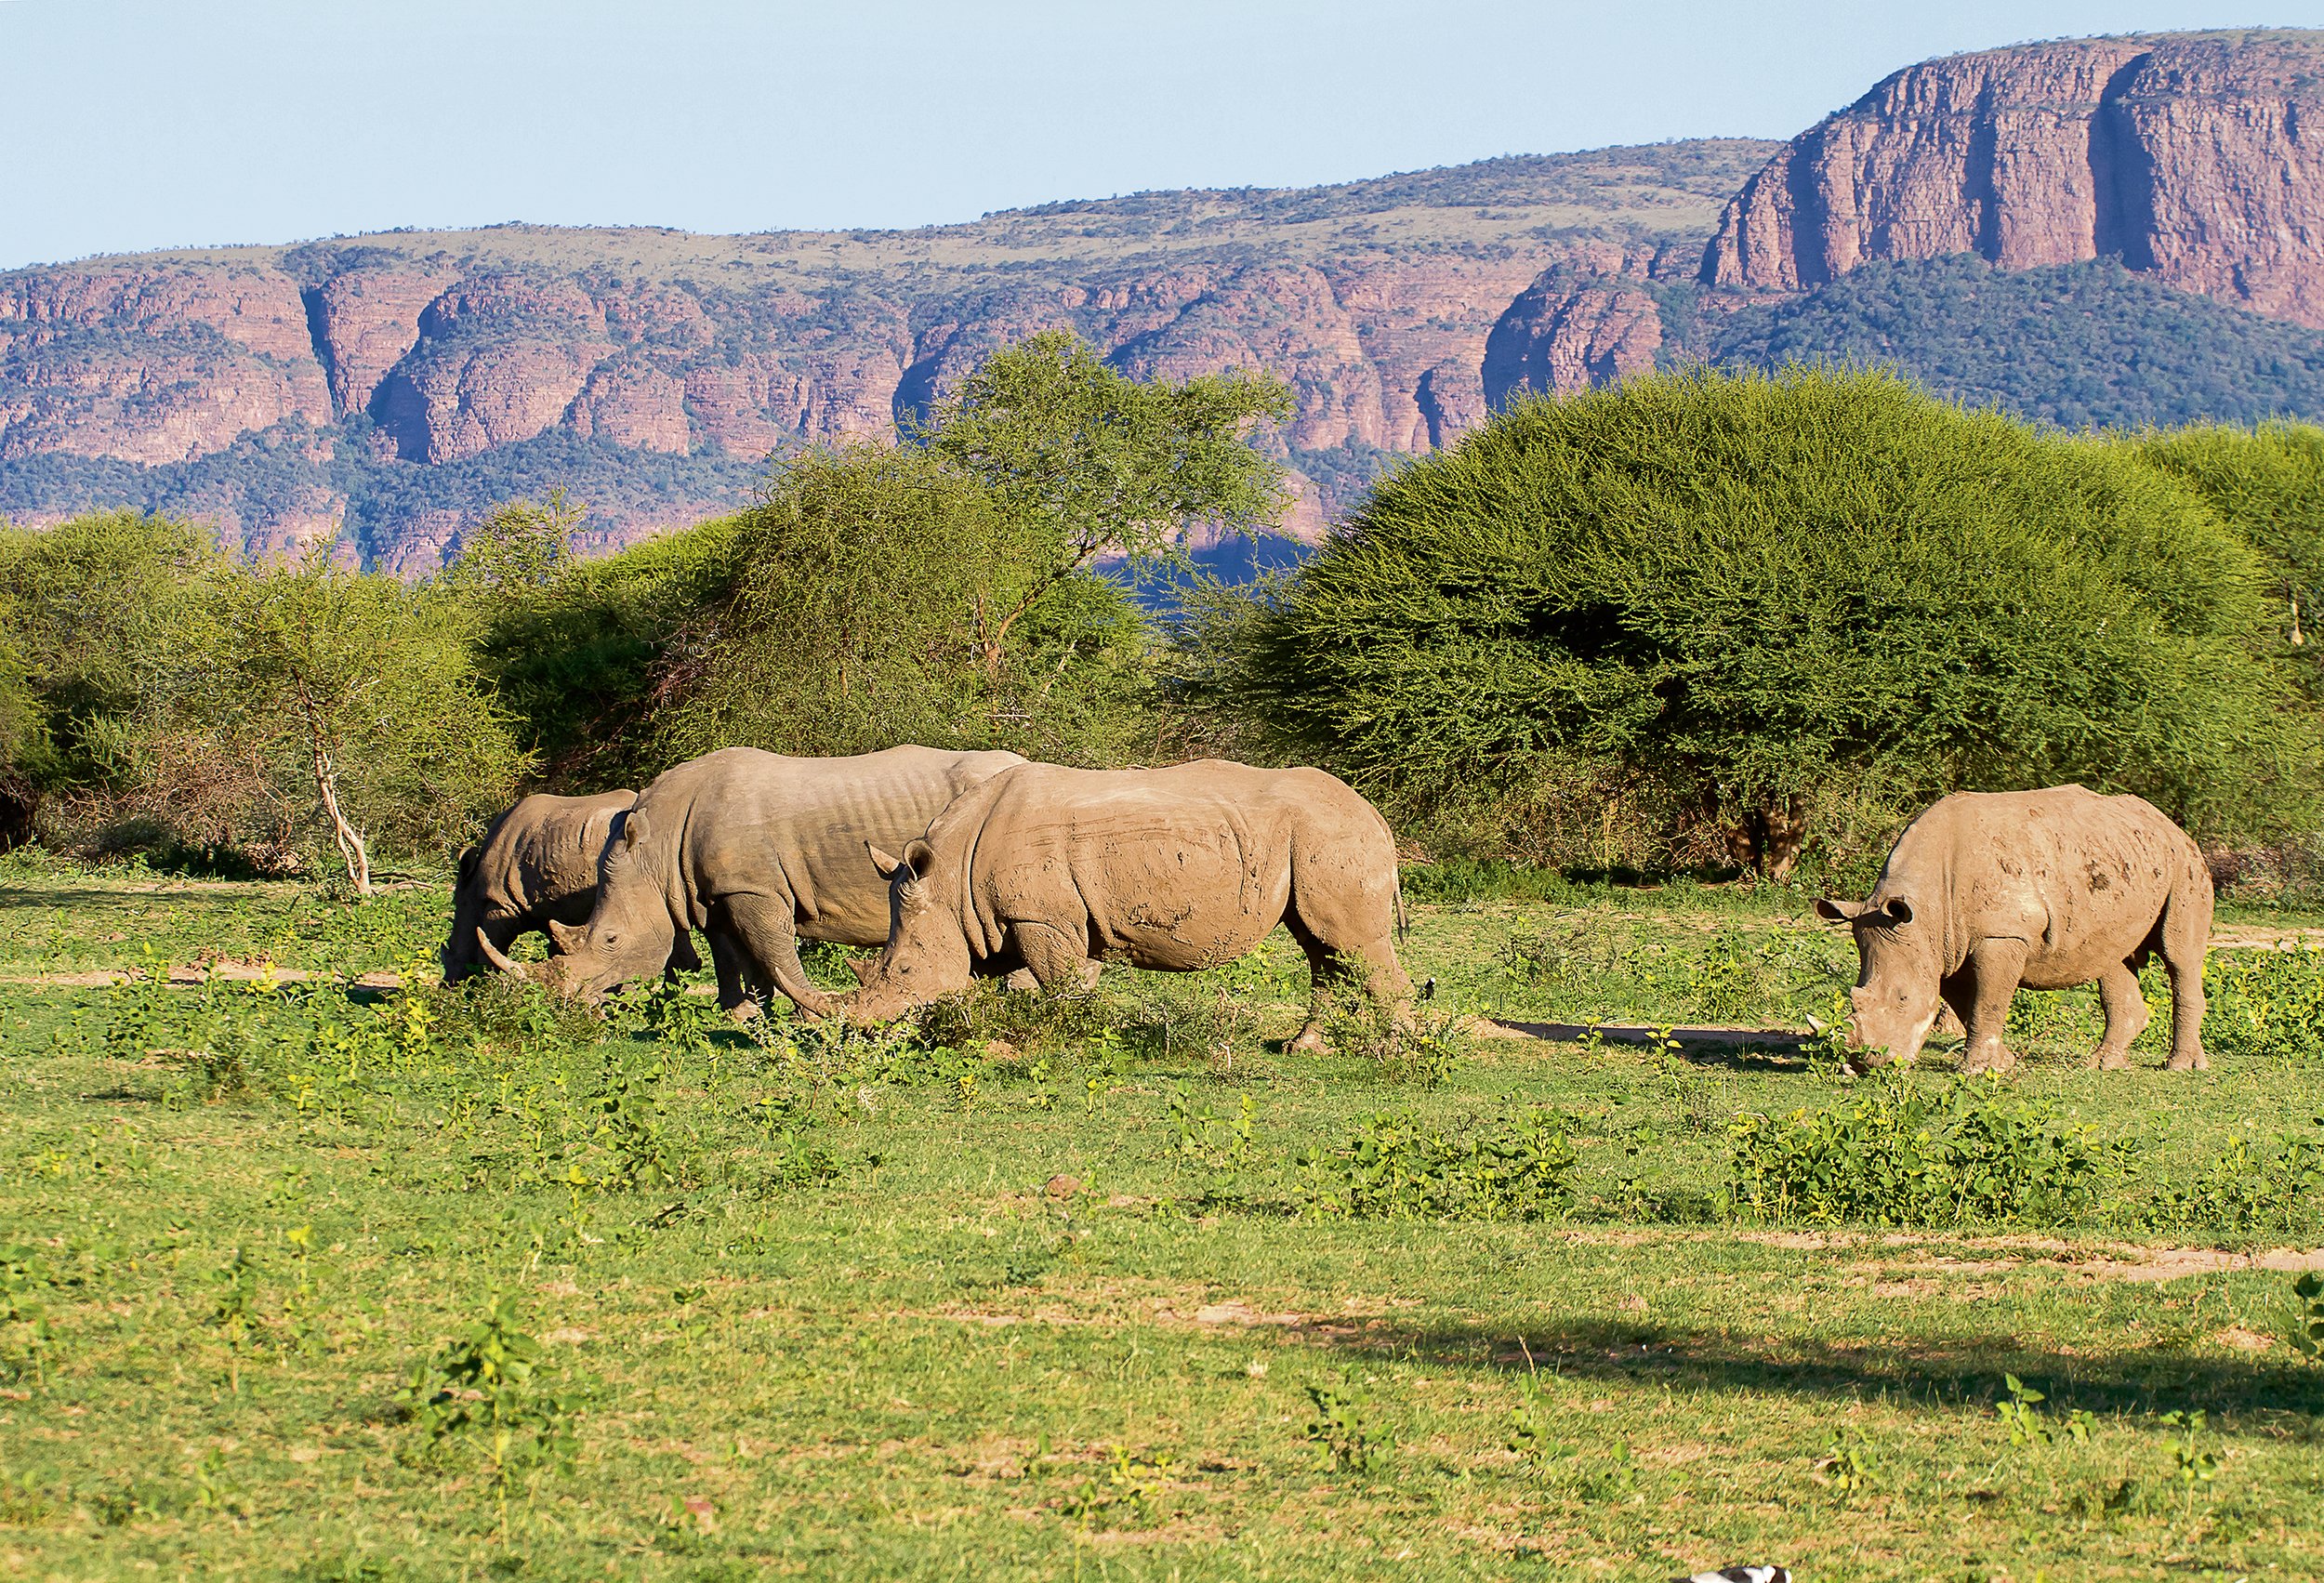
(18, 898)
(1960, 1370)
(1739, 1049)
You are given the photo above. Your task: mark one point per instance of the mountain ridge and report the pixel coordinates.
(367, 355)
(374, 394)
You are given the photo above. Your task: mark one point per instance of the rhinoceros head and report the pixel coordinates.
(629, 934)
(927, 956)
(1894, 1002)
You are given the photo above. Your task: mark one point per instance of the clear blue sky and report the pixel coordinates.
(133, 124)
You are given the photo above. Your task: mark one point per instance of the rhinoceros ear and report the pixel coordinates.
(922, 857)
(1837, 912)
(887, 863)
(632, 828)
(1898, 910)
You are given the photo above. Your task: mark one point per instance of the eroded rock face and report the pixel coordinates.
(151, 364)
(1383, 355)
(2196, 157)
(1566, 335)
(2199, 157)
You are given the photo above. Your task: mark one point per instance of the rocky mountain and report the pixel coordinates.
(378, 392)
(381, 390)
(2197, 158)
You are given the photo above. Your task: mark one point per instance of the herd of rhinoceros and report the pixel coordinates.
(963, 865)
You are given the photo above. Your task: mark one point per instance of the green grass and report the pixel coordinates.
(835, 1296)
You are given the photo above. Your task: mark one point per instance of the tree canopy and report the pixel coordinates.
(1076, 461)
(1758, 587)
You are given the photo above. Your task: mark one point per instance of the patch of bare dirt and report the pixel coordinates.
(2172, 1263)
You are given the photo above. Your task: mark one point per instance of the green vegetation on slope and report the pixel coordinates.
(2090, 344)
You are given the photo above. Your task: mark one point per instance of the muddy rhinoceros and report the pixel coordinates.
(1989, 890)
(537, 866)
(758, 851)
(1178, 869)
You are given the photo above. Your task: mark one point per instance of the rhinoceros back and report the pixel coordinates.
(742, 820)
(2072, 871)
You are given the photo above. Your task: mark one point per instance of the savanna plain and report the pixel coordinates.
(308, 1274)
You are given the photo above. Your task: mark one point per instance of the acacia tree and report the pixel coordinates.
(1758, 589)
(2267, 484)
(855, 620)
(519, 546)
(359, 689)
(80, 607)
(943, 590)
(1079, 461)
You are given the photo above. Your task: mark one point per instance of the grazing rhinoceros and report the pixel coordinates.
(535, 866)
(1178, 869)
(758, 851)
(1989, 890)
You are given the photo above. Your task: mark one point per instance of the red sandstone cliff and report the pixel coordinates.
(2198, 157)
(1400, 310)
(242, 378)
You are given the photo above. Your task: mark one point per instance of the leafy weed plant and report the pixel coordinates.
(1402, 1165)
(1966, 1153)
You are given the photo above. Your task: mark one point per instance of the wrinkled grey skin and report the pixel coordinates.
(1986, 891)
(758, 851)
(537, 866)
(1179, 869)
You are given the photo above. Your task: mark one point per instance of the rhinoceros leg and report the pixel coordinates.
(1996, 968)
(726, 957)
(2185, 936)
(1056, 960)
(1371, 965)
(2126, 1016)
(768, 934)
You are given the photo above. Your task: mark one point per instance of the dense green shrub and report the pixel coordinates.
(81, 605)
(2266, 483)
(1895, 1154)
(1402, 1165)
(1764, 591)
(2265, 1005)
(293, 715)
(574, 659)
(857, 617)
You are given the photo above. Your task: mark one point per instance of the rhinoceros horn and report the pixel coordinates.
(566, 938)
(494, 954)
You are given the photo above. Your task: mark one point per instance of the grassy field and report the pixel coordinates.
(302, 1279)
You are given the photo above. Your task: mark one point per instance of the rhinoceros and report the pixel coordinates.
(535, 866)
(1179, 869)
(758, 851)
(1989, 890)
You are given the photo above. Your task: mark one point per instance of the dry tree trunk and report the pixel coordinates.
(350, 840)
(1767, 842)
(1783, 834)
